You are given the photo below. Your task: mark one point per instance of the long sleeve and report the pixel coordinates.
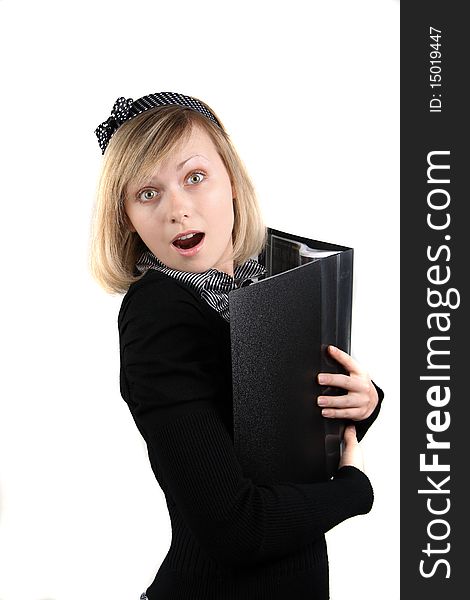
(168, 359)
(363, 426)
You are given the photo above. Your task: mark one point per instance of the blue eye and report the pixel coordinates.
(147, 196)
(195, 174)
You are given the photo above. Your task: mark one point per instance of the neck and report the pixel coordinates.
(227, 267)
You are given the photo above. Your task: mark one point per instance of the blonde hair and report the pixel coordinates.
(132, 153)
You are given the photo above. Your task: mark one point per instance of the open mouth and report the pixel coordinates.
(190, 241)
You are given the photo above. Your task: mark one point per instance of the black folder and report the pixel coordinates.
(280, 328)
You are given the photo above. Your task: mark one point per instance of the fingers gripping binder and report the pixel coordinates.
(280, 328)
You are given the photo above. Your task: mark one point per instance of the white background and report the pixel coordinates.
(309, 93)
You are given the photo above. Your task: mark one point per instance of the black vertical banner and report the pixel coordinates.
(435, 259)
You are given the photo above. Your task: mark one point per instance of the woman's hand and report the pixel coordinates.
(361, 397)
(352, 453)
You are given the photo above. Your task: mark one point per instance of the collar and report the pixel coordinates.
(211, 280)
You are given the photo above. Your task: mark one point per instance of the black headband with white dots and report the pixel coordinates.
(124, 110)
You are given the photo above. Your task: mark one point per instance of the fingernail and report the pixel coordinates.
(321, 379)
(321, 402)
(326, 413)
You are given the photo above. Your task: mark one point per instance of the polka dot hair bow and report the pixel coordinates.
(123, 110)
(119, 114)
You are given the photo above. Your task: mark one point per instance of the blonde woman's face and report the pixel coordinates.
(189, 191)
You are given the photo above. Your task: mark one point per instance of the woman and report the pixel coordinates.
(176, 224)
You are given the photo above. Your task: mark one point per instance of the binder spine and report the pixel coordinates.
(337, 277)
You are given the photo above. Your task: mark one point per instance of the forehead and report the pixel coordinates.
(196, 143)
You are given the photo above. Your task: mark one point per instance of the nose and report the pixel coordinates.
(178, 205)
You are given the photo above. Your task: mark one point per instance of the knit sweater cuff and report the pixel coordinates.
(310, 510)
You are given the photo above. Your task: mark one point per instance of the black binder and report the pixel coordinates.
(280, 328)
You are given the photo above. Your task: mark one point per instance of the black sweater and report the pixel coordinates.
(231, 539)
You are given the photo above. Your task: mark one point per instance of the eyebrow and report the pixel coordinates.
(185, 161)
